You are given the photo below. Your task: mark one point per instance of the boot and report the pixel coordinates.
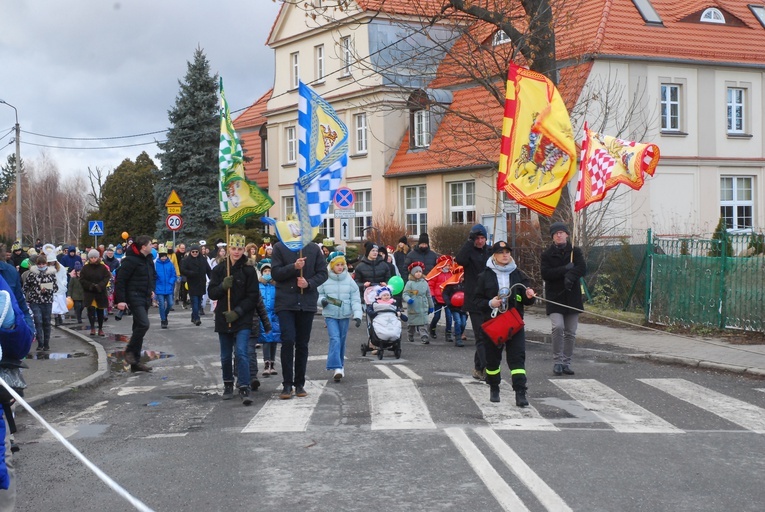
(228, 391)
(520, 399)
(267, 368)
(432, 332)
(244, 394)
(449, 338)
(494, 393)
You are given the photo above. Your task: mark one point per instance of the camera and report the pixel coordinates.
(120, 313)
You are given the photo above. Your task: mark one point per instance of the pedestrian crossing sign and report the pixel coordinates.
(96, 227)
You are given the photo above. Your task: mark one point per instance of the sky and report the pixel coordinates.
(100, 68)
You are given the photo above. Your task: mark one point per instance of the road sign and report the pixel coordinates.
(345, 214)
(173, 210)
(174, 222)
(344, 198)
(173, 200)
(511, 206)
(344, 231)
(96, 227)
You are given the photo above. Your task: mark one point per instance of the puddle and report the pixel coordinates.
(117, 359)
(85, 431)
(54, 355)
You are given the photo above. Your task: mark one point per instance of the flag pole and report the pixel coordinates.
(301, 270)
(228, 272)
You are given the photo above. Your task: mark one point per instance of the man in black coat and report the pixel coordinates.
(562, 267)
(473, 256)
(297, 276)
(422, 254)
(134, 287)
(196, 270)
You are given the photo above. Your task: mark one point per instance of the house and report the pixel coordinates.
(424, 132)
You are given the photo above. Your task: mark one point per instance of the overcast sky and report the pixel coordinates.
(100, 68)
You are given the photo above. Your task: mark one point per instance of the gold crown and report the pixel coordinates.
(236, 240)
(328, 242)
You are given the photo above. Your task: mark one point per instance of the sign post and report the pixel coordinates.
(174, 223)
(96, 229)
(343, 201)
(174, 206)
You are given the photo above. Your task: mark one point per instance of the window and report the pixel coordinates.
(712, 15)
(263, 147)
(421, 128)
(500, 37)
(416, 209)
(360, 123)
(347, 55)
(736, 109)
(759, 12)
(288, 206)
(319, 51)
(647, 12)
(294, 70)
(736, 202)
(327, 226)
(363, 220)
(462, 202)
(291, 145)
(670, 107)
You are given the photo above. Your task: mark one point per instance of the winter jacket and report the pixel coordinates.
(419, 291)
(554, 273)
(94, 278)
(487, 288)
(427, 258)
(75, 290)
(112, 262)
(13, 279)
(473, 260)
(400, 258)
(289, 296)
(449, 292)
(166, 277)
(375, 272)
(196, 270)
(40, 285)
(385, 321)
(340, 287)
(268, 293)
(243, 297)
(70, 258)
(135, 279)
(435, 286)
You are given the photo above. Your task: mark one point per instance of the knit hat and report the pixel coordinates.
(110, 248)
(93, 253)
(476, 231)
(424, 239)
(78, 265)
(368, 246)
(264, 263)
(403, 240)
(414, 267)
(558, 226)
(336, 257)
(194, 247)
(382, 289)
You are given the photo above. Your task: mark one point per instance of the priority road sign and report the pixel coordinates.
(344, 198)
(96, 228)
(174, 222)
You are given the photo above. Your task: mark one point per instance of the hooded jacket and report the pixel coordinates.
(166, 277)
(268, 294)
(487, 287)
(343, 288)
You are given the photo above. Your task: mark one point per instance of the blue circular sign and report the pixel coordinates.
(344, 198)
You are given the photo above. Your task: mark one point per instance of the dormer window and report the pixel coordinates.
(712, 15)
(500, 37)
(759, 12)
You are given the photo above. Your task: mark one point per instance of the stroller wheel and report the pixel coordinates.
(363, 349)
(397, 353)
(380, 354)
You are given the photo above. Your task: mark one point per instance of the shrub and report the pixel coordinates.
(448, 239)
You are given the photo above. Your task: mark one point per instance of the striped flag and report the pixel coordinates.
(239, 197)
(607, 162)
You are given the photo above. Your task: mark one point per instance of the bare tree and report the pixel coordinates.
(96, 177)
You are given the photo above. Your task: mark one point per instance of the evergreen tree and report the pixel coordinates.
(127, 199)
(720, 239)
(189, 157)
(8, 177)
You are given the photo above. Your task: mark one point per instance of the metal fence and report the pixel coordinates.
(700, 282)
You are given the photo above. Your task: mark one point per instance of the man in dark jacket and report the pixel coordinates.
(297, 276)
(70, 258)
(562, 267)
(234, 284)
(473, 256)
(195, 269)
(110, 260)
(134, 287)
(371, 270)
(422, 254)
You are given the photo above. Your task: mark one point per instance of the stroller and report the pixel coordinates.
(383, 326)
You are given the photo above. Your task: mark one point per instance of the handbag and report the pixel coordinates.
(503, 326)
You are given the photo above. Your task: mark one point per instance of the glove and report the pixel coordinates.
(325, 302)
(227, 283)
(410, 301)
(430, 310)
(230, 316)
(358, 322)
(569, 265)
(404, 318)
(568, 283)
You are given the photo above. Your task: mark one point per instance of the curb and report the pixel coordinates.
(100, 375)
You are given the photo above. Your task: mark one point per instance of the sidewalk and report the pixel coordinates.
(77, 360)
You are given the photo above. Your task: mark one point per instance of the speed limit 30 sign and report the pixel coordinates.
(174, 222)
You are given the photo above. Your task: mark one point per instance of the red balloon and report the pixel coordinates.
(458, 299)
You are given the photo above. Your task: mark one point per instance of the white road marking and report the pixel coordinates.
(132, 390)
(396, 404)
(502, 416)
(407, 371)
(387, 371)
(290, 415)
(160, 436)
(760, 389)
(736, 411)
(502, 492)
(89, 412)
(622, 414)
(544, 493)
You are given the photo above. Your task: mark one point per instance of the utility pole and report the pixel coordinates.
(18, 173)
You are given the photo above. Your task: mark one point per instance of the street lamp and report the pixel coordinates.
(18, 172)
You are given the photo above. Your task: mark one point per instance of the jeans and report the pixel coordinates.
(165, 302)
(437, 317)
(252, 350)
(196, 302)
(141, 324)
(563, 336)
(228, 341)
(296, 333)
(460, 319)
(269, 351)
(42, 316)
(337, 330)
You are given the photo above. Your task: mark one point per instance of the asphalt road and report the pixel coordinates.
(415, 433)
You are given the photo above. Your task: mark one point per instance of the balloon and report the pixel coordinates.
(396, 284)
(125, 235)
(458, 299)
(69, 303)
